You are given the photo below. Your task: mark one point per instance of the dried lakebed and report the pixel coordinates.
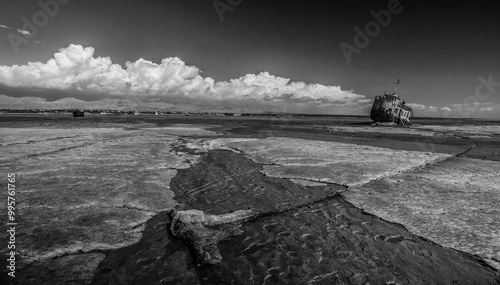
(323, 239)
(96, 207)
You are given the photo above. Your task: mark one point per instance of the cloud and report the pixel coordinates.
(421, 110)
(75, 68)
(271, 88)
(6, 27)
(24, 32)
(422, 107)
(416, 106)
(471, 110)
(490, 108)
(470, 107)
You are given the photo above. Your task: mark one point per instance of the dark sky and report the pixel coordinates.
(437, 49)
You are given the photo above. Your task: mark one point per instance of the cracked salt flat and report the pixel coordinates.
(453, 203)
(28, 142)
(184, 130)
(383, 130)
(117, 181)
(71, 269)
(327, 162)
(81, 190)
(474, 131)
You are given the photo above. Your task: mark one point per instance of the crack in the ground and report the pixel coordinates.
(39, 141)
(128, 207)
(69, 148)
(472, 146)
(59, 150)
(261, 216)
(96, 205)
(408, 170)
(197, 190)
(79, 252)
(417, 167)
(307, 179)
(349, 185)
(271, 164)
(46, 153)
(235, 149)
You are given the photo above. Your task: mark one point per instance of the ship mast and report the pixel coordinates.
(396, 88)
(394, 102)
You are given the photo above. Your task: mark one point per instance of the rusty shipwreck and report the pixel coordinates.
(390, 108)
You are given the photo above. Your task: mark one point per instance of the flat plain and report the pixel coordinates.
(333, 200)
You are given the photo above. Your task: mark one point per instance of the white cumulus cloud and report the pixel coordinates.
(76, 68)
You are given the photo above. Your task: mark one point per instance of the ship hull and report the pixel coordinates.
(390, 108)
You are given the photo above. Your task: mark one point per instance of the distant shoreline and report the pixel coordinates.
(195, 118)
(214, 114)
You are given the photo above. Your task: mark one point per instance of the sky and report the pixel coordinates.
(321, 57)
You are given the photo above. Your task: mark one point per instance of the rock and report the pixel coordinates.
(203, 232)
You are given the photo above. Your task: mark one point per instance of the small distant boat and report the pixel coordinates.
(79, 113)
(390, 108)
